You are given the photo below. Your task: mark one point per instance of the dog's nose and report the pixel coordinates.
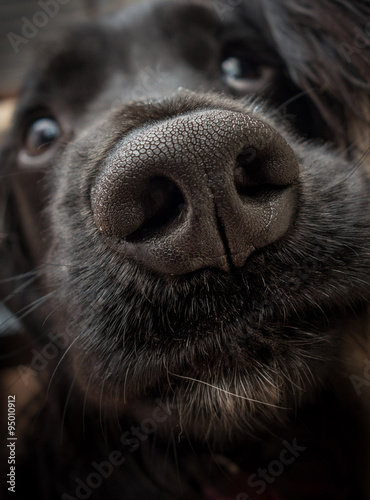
(204, 189)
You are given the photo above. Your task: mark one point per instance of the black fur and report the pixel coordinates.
(238, 363)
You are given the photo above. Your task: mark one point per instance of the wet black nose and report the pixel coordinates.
(199, 190)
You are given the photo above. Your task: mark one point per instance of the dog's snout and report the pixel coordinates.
(204, 189)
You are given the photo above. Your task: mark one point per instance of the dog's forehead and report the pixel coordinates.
(144, 51)
(136, 34)
(139, 35)
(73, 66)
(124, 57)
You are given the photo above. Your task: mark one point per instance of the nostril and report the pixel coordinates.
(162, 203)
(251, 174)
(161, 197)
(246, 169)
(202, 189)
(248, 174)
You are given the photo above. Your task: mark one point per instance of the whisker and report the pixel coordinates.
(101, 415)
(84, 406)
(17, 317)
(60, 361)
(296, 97)
(65, 408)
(19, 288)
(19, 276)
(228, 392)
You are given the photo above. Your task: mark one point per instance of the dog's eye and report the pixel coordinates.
(41, 135)
(245, 75)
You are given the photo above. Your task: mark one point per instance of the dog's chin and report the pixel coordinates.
(214, 388)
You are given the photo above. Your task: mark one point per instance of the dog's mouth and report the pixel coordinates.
(202, 347)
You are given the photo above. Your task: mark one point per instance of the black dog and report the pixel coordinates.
(199, 276)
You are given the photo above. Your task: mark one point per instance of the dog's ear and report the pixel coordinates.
(326, 47)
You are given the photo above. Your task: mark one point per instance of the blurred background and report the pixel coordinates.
(21, 23)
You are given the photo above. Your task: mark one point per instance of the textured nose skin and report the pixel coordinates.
(199, 190)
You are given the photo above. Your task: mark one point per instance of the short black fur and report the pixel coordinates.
(235, 363)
